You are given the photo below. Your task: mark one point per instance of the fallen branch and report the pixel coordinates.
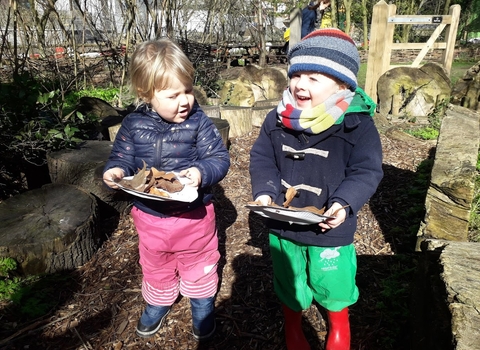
(32, 326)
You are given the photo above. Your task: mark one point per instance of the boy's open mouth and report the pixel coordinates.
(303, 98)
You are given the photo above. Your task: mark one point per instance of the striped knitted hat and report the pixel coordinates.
(329, 51)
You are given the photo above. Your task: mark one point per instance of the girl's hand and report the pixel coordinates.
(194, 175)
(340, 214)
(113, 174)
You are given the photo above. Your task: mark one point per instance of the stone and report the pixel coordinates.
(452, 183)
(412, 92)
(458, 286)
(247, 85)
(466, 91)
(237, 92)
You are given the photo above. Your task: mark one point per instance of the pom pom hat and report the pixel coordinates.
(328, 51)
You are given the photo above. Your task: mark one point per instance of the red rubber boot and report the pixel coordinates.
(294, 336)
(338, 337)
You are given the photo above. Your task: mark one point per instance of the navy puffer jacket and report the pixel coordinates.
(145, 136)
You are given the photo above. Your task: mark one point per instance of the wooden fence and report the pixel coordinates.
(381, 45)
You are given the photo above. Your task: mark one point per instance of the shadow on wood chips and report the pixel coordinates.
(98, 306)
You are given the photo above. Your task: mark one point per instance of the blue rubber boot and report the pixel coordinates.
(203, 318)
(151, 320)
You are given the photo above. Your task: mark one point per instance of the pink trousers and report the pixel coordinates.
(178, 255)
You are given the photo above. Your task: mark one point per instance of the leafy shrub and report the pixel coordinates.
(110, 95)
(32, 124)
(8, 283)
(426, 133)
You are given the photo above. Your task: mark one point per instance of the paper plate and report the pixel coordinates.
(293, 216)
(187, 194)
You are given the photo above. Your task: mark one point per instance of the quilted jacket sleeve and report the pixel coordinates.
(213, 157)
(123, 151)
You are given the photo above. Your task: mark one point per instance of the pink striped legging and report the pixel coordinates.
(178, 254)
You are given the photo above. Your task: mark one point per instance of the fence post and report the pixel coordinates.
(450, 38)
(295, 26)
(380, 47)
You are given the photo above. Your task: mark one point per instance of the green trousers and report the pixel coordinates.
(303, 273)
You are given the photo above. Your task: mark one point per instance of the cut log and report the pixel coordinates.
(239, 119)
(106, 113)
(83, 167)
(211, 111)
(259, 113)
(49, 229)
(452, 181)
(223, 127)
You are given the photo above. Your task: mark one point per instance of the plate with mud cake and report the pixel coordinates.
(158, 185)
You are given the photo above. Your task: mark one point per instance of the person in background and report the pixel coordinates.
(322, 14)
(321, 142)
(286, 37)
(309, 16)
(178, 241)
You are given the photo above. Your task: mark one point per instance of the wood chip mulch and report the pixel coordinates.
(101, 309)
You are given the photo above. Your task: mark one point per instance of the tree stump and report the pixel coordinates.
(223, 127)
(239, 119)
(259, 113)
(49, 229)
(83, 167)
(211, 111)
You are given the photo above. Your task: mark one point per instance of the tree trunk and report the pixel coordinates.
(348, 16)
(365, 24)
(49, 229)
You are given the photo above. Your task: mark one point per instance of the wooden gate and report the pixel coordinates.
(381, 40)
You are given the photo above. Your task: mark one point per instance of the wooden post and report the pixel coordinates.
(450, 37)
(379, 50)
(295, 26)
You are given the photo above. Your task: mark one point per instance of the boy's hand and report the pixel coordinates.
(111, 175)
(340, 214)
(264, 199)
(194, 175)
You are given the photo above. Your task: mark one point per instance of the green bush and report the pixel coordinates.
(32, 123)
(8, 283)
(110, 95)
(425, 133)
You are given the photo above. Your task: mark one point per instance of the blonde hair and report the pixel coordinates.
(153, 65)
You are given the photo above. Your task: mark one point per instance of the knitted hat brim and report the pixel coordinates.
(323, 65)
